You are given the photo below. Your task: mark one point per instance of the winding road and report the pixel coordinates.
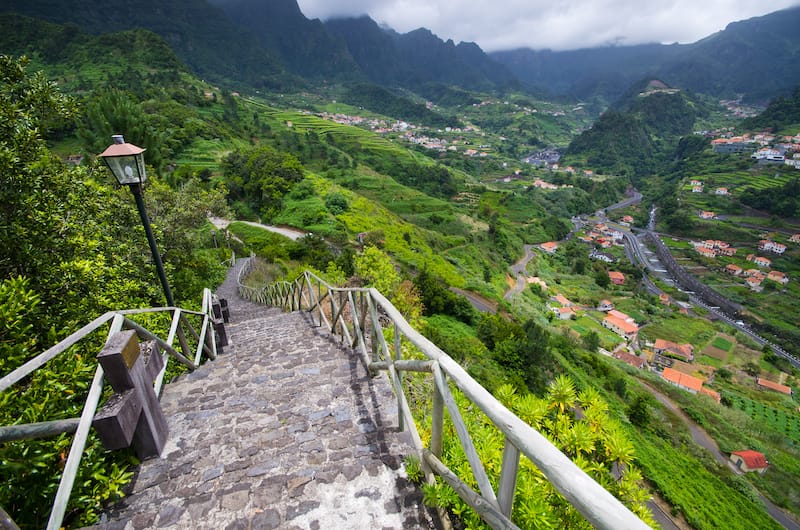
(519, 269)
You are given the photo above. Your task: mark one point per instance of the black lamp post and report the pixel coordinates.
(126, 162)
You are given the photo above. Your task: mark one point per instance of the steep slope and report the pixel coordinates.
(201, 35)
(640, 134)
(413, 59)
(304, 46)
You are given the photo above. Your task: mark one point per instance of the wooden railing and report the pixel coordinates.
(359, 316)
(120, 320)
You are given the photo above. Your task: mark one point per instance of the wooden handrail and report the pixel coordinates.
(81, 427)
(594, 502)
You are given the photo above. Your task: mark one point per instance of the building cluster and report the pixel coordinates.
(713, 248)
(603, 236)
(766, 148)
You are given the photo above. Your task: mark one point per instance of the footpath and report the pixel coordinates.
(285, 429)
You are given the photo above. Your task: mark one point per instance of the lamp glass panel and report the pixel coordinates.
(127, 169)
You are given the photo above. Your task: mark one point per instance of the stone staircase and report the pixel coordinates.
(284, 430)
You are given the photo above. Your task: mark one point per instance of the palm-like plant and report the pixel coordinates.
(561, 393)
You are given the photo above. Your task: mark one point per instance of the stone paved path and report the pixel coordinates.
(283, 430)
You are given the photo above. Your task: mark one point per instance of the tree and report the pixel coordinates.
(591, 341)
(376, 269)
(601, 278)
(116, 112)
(639, 411)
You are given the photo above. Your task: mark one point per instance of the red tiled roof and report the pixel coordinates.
(766, 383)
(714, 395)
(633, 360)
(753, 459)
(625, 327)
(616, 276)
(681, 379)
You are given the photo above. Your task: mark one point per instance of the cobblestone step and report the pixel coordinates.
(283, 430)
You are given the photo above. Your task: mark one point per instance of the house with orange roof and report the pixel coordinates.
(550, 247)
(707, 215)
(616, 277)
(711, 393)
(771, 246)
(721, 191)
(671, 349)
(734, 269)
(626, 220)
(563, 300)
(620, 315)
(687, 382)
(605, 305)
(706, 253)
(759, 260)
(629, 358)
(621, 327)
(664, 299)
(697, 189)
(778, 276)
(696, 182)
(564, 313)
(749, 460)
(754, 282)
(795, 238)
(771, 385)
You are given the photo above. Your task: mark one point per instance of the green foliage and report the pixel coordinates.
(781, 113)
(378, 99)
(260, 177)
(376, 269)
(336, 203)
(115, 112)
(596, 443)
(71, 248)
(437, 298)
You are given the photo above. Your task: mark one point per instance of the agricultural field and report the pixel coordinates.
(786, 422)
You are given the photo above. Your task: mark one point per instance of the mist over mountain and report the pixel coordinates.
(757, 58)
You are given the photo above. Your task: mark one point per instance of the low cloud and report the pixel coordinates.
(562, 25)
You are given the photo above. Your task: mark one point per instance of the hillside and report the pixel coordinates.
(200, 34)
(640, 134)
(418, 57)
(303, 46)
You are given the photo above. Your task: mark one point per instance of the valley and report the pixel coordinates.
(639, 242)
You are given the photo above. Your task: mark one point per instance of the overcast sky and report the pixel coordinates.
(555, 24)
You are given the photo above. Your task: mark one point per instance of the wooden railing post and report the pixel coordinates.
(133, 413)
(398, 355)
(437, 421)
(508, 478)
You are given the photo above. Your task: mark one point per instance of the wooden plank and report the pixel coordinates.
(508, 478)
(38, 361)
(172, 351)
(437, 420)
(463, 435)
(405, 365)
(32, 431)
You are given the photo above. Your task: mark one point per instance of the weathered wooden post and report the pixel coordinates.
(133, 413)
(219, 308)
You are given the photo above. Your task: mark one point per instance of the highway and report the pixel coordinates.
(636, 254)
